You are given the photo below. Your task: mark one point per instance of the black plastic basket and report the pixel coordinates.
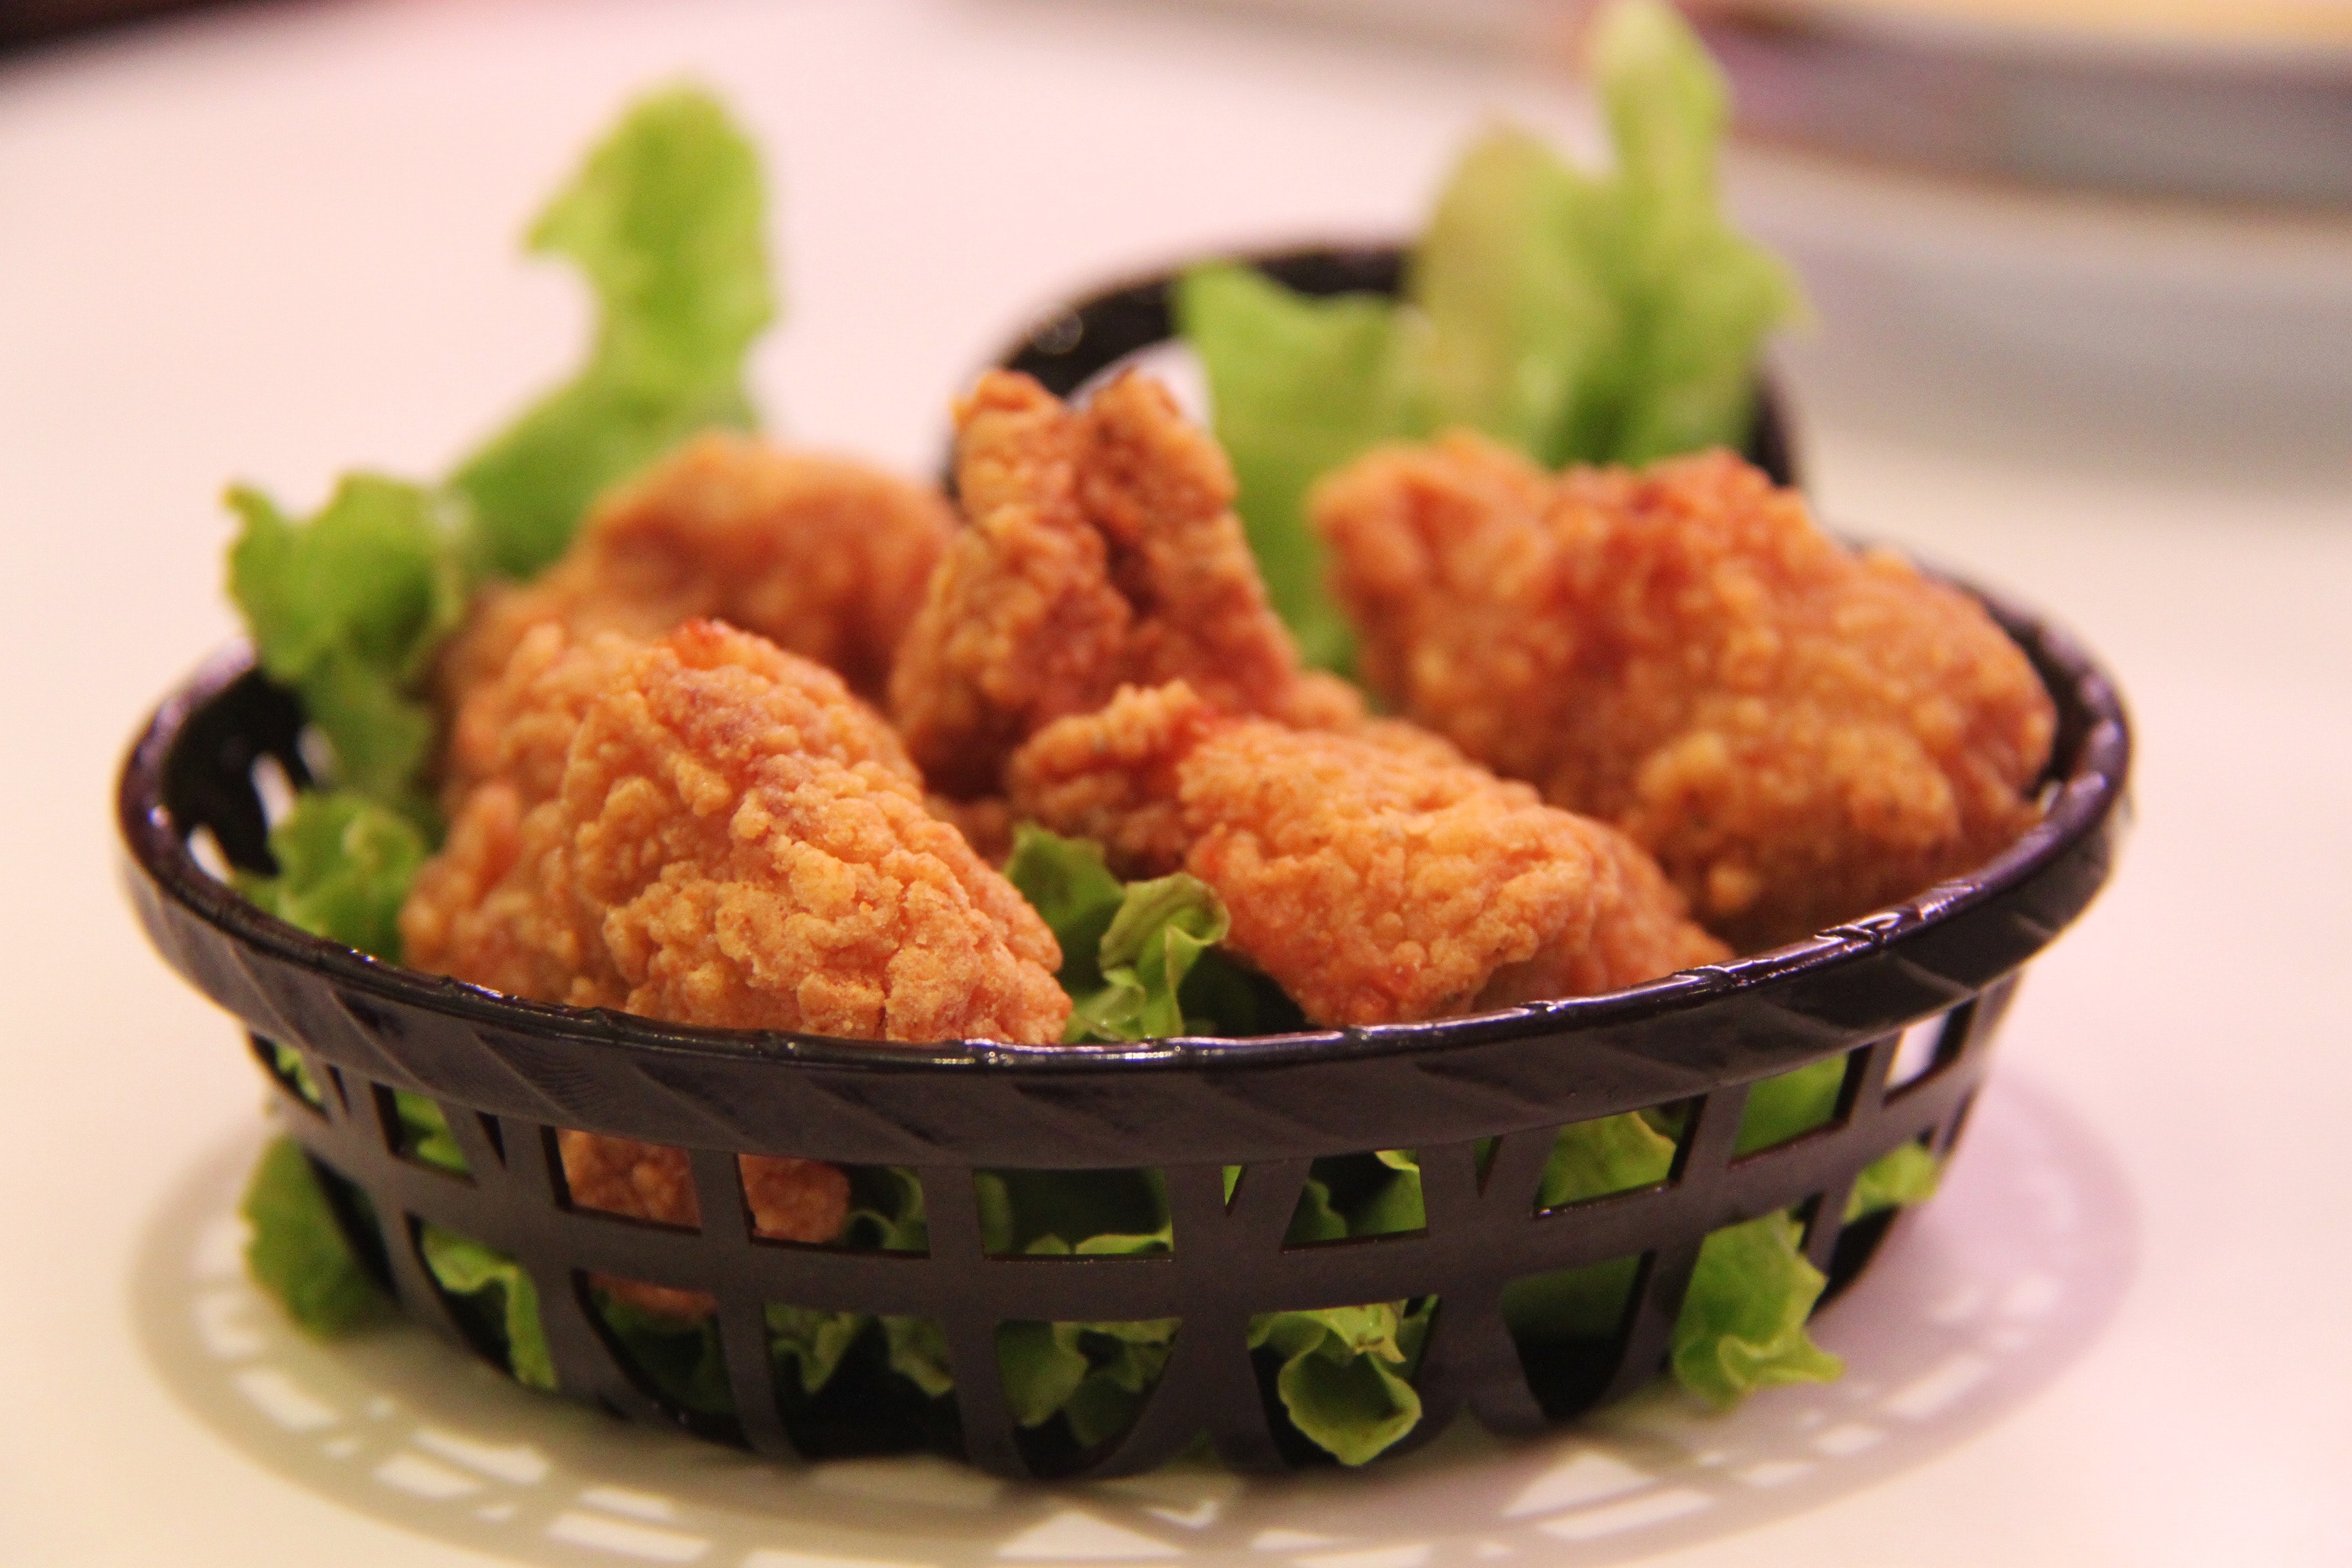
(1480, 1101)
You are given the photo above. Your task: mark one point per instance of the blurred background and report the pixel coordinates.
(2112, 226)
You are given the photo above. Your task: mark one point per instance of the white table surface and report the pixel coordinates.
(277, 243)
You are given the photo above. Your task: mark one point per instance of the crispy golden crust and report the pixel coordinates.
(1102, 550)
(735, 841)
(1112, 776)
(1376, 877)
(823, 556)
(1800, 734)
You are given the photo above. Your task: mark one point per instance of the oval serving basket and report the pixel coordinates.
(1909, 998)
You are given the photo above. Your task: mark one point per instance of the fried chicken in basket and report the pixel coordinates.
(823, 556)
(1101, 550)
(1799, 732)
(1374, 875)
(711, 830)
(731, 839)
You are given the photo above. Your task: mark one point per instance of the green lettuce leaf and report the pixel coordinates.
(665, 221)
(1298, 386)
(296, 1250)
(682, 1358)
(885, 1210)
(1697, 299)
(346, 607)
(809, 1343)
(1356, 1195)
(1094, 1375)
(1073, 1213)
(502, 1291)
(1742, 1326)
(1607, 1154)
(344, 863)
(1789, 1105)
(296, 1071)
(1162, 930)
(1066, 881)
(1140, 960)
(1524, 321)
(1581, 317)
(1345, 1377)
(424, 1133)
(1902, 1176)
(1588, 1160)
(919, 1352)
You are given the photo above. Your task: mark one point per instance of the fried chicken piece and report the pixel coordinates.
(1102, 550)
(1375, 876)
(825, 557)
(711, 830)
(1799, 733)
(732, 840)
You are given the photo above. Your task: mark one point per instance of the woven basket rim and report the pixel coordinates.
(2090, 786)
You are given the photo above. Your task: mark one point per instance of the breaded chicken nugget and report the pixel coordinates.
(823, 556)
(711, 830)
(1102, 549)
(1376, 877)
(731, 839)
(1800, 734)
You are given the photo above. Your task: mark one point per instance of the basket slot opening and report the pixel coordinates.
(1925, 1048)
(491, 1299)
(1867, 1206)
(355, 1214)
(1857, 1242)
(205, 848)
(851, 1385)
(1608, 1155)
(667, 1342)
(1351, 1197)
(417, 1129)
(290, 1071)
(1337, 1382)
(1073, 1390)
(1799, 1103)
(274, 788)
(625, 1178)
(1065, 1214)
(1569, 1326)
(885, 1212)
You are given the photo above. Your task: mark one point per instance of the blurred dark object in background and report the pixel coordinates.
(26, 22)
(2216, 99)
